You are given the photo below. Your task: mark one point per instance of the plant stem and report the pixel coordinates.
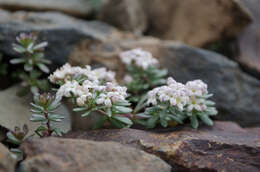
(49, 131)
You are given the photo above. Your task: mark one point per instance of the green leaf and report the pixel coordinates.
(56, 117)
(161, 73)
(163, 122)
(176, 118)
(17, 61)
(58, 131)
(28, 67)
(38, 118)
(143, 115)
(43, 67)
(109, 112)
(13, 139)
(141, 104)
(122, 109)
(100, 122)
(37, 107)
(116, 123)
(123, 119)
(210, 103)
(206, 120)
(80, 109)
(211, 111)
(54, 105)
(151, 123)
(40, 46)
(34, 90)
(194, 122)
(122, 103)
(86, 113)
(19, 48)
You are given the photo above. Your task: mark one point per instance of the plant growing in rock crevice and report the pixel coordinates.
(94, 91)
(142, 72)
(175, 102)
(43, 109)
(16, 138)
(34, 63)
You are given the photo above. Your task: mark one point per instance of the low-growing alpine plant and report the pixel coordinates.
(43, 109)
(34, 63)
(143, 72)
(175, 103)
(94, 91)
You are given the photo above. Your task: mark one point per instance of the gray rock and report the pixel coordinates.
(76, 7)
(249, 41)
(235, 92)
(15, 111)
(61, 31)
(7, 161)
(67, 155)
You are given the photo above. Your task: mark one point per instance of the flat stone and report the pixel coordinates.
(7, 161)
(67, 155)
(223, 147)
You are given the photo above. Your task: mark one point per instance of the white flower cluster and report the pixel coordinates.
(180, 95)
(138, 57)
(93, 88)
(67, 73)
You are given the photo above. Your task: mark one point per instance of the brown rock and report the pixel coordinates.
(7, 162)
(68, 155)
(125, 14)
(224, 147)
(249, 41)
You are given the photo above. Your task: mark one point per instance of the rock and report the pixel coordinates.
(224, 147)
(15, 111)
(248, 41)
(195, 23)
(81, 8)
(7, 161)
(66, 155)
(124, 14)
(61, 31)
(234, 91)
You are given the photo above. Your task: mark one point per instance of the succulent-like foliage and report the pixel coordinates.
(16, 137)
(143, 72)
(34, 63)
(43, 108)
(175, 103)
(94, 91)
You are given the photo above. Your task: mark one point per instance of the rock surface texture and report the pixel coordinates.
(224, 147)
(67, 155)
(249, 41)
(125, 14)
(7, 162)
(61, 31)
(81, 8)
(234, 91)
(196, 22)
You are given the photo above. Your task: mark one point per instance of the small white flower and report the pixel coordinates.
(197, 88)
(139, 57)
(128, 79)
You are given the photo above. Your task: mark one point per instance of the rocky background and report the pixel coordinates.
(217, 41)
